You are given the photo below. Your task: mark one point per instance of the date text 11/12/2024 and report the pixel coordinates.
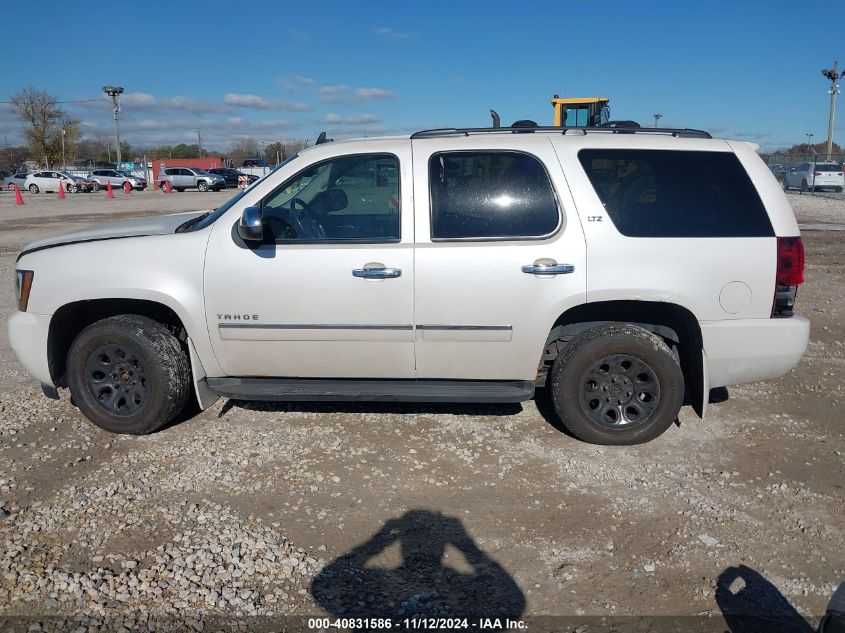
(416, 624)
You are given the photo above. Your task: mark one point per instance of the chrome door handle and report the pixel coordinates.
(548, 267)
(377, 273)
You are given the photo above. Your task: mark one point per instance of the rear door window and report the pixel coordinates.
(490, 195)
(667, 193)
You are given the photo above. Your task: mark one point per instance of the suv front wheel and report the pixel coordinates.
(202, 185)
(617, 384)
(128, 374)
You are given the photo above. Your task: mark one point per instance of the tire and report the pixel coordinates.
(202, 185)
(95, 187)
(33, 188)
(164, 186)
(647, 385)
(179, 189)
(150, 377)
(838, 189)
(804, 186)
(73, 188)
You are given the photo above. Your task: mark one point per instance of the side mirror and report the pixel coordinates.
(336, 199)
(251, 226)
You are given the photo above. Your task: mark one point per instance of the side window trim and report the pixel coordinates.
(528, 238)
(372, 240)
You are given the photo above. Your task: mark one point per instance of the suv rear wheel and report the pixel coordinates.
(128, 374)
(617, 384)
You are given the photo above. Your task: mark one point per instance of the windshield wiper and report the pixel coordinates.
(187, 226)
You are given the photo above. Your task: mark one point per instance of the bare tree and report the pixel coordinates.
(44, 121)
(277, 152)
(244, 147)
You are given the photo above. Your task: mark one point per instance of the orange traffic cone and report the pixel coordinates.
(127, 188)
(61, 189)
(168, 187)
(109, 192)
(18, 196)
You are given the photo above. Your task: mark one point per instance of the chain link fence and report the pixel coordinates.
(781, 163)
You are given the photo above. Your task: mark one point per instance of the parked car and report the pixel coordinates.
(82, 183)
(815, 176)
(254, 162)
(117, 178)
(627, 274)
(778, 170)
(231, 176)
(46, 181)
(182, 178)
(19, 179)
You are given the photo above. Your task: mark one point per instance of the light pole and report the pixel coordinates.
(834, 76)
(199, 140)
(114, 92)
(809, 136)
(657, 117)
(64, 164)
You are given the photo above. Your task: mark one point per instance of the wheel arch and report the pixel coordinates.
(70, 319)
(672, 322)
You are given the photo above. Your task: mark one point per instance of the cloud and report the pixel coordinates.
(294, 83)
(341, 94)
(334, 94)
(368, 94)
(260, 103)
(337, 119)
(145, 102)
(391, 33)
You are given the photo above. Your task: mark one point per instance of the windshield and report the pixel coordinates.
(207, 220)
(828, 167)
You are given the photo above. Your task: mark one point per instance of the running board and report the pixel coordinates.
(373, 390)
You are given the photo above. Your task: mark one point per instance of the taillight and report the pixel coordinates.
(790, 267)
(789, 274)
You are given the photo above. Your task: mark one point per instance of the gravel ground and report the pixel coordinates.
(266, 510)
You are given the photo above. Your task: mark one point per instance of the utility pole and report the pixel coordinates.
(199, 139)
(834, 76)
(64, 163)
(657, 117)
(114, 92)
(9, 149)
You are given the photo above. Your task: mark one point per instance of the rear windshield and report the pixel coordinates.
(828, 167)
(667, 193)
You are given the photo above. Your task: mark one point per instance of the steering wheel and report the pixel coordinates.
(306, 226)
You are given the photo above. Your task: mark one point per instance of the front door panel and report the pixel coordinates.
(296, 308)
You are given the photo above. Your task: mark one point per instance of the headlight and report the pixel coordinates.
(23, 284)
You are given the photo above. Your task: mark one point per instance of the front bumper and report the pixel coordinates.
(748, 350)
(28, 334)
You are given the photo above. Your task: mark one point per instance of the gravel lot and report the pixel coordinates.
(308, 509)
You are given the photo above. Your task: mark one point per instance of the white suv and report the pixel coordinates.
(629, 273)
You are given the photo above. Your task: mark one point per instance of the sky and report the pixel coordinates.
(288, 70)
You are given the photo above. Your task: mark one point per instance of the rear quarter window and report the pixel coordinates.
(669, 193)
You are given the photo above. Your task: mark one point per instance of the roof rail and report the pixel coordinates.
(678, 132)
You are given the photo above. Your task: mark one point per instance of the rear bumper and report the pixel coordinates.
(28, 337)
(748, 350)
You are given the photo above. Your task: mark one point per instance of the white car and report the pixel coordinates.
(47, 181)
(18, 179)
(814, 176)
(117, 179)
(628, 274)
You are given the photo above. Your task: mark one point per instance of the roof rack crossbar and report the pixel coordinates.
(677, 132)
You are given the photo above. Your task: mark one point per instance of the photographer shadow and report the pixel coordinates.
(751, 604)
(442, 573)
